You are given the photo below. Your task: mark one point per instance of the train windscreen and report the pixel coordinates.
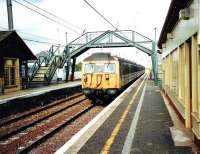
(100, 68)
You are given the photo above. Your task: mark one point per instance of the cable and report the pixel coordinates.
(52, 14)
(36, 41)
(104, 17)
(34, 35)
(19, 31)
(47, 17)
(3, 28)
(100, 14)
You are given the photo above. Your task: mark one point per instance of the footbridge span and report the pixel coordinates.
(45, 67)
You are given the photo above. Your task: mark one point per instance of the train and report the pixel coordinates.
(104, 75)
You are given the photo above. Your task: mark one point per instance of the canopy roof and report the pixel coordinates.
(172, 18)
(12, 46)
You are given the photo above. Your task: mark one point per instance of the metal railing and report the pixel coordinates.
(130, 35)
(57, 61)
(42, 60)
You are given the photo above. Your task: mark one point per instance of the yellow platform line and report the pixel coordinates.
(115, 131)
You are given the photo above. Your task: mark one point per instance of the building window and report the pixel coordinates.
(9, 73)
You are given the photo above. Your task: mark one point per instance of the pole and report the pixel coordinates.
(155, 59)
(10, 14)
(67, 59)
(66, 38)
(73, 69)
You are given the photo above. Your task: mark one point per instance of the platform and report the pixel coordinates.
(23, 100)
(138, 122)
(35, 91)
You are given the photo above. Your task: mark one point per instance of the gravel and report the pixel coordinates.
(23, 139)
(59, 139)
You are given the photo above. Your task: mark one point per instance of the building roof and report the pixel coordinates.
(12, 46)
(172, 18)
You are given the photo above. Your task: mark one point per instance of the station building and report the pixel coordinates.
(180, 46)
(14, 55)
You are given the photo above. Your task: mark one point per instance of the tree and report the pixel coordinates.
(78, 67)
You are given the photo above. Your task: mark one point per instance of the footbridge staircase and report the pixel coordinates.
(44, 68)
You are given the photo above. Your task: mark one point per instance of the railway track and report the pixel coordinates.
(22, 122)
(11, 119)
(19, 135)
(49, 133)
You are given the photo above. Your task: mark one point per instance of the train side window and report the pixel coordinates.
(89, 68)
(125, 68)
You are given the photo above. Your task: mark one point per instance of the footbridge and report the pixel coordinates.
(112, 39)
(45, 67)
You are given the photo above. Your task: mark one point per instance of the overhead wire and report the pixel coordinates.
(104, 17)
(58, 18)
(42, 37)
(52, 14)
(100, 14)
(31, 40)
(57, 22)
(3, 28)
(36, 41)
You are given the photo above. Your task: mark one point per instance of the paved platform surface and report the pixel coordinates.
(35, 91)
(144, 130)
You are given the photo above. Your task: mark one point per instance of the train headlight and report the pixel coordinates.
(107, 76)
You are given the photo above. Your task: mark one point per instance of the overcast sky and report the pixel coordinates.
(139, 15)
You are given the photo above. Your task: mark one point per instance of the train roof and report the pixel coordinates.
(102, 56)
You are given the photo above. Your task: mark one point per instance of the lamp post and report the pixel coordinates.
(10, 15)
(155, 58)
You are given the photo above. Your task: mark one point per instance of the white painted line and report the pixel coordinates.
(2, 101)
(80, 138)
(129, 139)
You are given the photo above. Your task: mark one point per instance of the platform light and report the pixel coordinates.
(159, 51)
(169, 36)
(163, 45)
(184, 14)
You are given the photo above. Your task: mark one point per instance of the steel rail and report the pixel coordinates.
(18, 130)
(50, 133)
(14, 119)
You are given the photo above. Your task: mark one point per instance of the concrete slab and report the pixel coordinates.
(180, 137)
(153, 134)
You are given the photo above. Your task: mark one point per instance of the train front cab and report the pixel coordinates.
(100, 78)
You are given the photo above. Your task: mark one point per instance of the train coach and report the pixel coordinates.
(105, 75)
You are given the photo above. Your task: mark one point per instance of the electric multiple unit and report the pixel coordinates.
(103, 74)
